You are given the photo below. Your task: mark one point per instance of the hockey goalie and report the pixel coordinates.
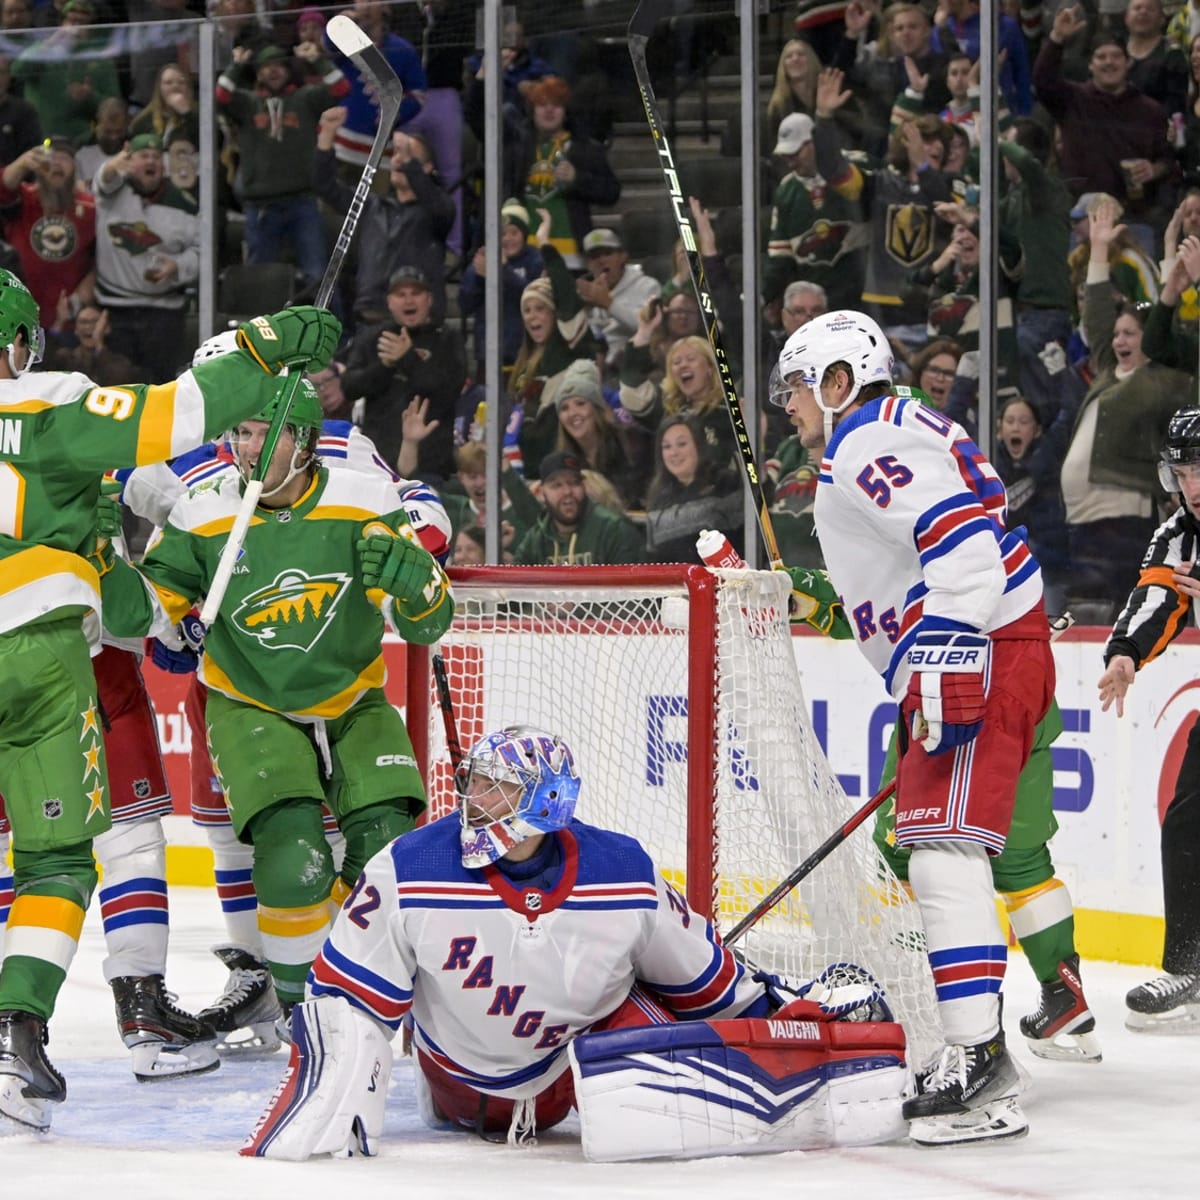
(539, 964)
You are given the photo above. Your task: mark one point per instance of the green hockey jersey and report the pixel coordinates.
(298, 632)
(58, 434)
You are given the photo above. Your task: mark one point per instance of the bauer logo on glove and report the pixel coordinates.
(947, 691)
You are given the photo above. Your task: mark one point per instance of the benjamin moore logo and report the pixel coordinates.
(292, 612)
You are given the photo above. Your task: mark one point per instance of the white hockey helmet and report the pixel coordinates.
(216, 346)
(841, 336)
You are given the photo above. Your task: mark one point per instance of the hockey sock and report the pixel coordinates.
(293, 876)
(1044, 921)
(133, 898)
(6, 879)
(53, 888)
(952, 882)
(233, 864)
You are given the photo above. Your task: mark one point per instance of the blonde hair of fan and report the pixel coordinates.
(674, 400)
(784, 100)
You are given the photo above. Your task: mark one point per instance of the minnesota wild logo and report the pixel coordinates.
(292, 612)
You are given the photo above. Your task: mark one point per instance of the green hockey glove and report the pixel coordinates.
(815, 602)
(108, 527)
(302, 337)
(401, 568)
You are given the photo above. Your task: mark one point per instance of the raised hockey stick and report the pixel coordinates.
(453, 745)
(810, 864)
(376, 69)
(645, 18)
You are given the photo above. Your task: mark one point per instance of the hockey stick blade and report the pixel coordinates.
(642, 24)
(810, 864)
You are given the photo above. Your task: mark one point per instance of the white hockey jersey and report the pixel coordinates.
(499, 979)
(911, 519)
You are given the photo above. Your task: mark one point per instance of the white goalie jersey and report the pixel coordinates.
(497, 978)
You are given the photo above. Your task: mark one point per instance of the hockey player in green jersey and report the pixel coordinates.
(58, 433)
(1037, 901)
(296, 713)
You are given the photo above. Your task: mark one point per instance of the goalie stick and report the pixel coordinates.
(810, 864)
(376, 69)
(645, 18)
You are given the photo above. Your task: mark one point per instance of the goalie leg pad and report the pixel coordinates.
(701, 1088)
(332, 1095)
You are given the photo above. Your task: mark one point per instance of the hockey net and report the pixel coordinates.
(678, 691)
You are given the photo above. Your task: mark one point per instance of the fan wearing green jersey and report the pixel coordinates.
(296, 714)
(58, 434)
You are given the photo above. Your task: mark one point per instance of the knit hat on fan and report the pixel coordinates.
(515, 213)
(580, 379)
(540, 290)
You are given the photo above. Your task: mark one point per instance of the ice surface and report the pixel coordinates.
(1126, 1127)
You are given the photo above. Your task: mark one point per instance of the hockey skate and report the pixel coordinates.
(968, 1094)
(246, 1012)
(1063, 1026)
(29, 1084)
(166, 1041)
(1169, 1004)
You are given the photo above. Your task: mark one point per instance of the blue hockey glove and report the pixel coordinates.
(947, 690)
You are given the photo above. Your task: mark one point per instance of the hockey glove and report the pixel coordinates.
(391, 562)
(185, 659)
(815, 602)
(303, 338)
(947, 690)
(108, 527)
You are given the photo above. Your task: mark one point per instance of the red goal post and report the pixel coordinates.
(677, 689)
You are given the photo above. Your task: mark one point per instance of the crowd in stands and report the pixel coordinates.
(617, 443)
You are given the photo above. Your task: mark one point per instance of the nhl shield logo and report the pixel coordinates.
(141, 789)
(52, 809)
(533, 901)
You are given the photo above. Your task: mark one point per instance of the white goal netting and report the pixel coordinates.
(677, 690)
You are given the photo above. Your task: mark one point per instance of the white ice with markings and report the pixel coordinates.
(1125, 1127)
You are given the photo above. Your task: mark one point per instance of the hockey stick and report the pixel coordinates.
(453, 745)
(645, 18)
(806, 868)
(376, 69)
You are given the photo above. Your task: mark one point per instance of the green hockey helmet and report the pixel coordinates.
(304, 420)
(19, 311)
(305, 413)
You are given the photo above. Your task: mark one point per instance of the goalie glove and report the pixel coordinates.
(842, 992)
(947, 690)
(389, 561)
(815, 602)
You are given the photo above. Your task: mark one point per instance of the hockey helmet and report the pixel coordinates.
(19, 311)
(835, 337)
(216, 346)
(304, 420)
(1181, 447)
(541, 766)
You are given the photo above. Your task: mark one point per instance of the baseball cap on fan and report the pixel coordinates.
(560, 460)
(795, 130)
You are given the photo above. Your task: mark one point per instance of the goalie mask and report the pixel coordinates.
(1182, 447)
(304, 423)
(837, 337)
(19, 314)
(516, 783)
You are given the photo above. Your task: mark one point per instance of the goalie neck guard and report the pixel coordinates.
(525, 780)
